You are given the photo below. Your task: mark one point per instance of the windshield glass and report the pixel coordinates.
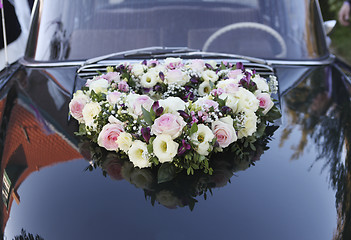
(270, 29)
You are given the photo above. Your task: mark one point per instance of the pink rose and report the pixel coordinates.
(144, 101)
(232, 88)
(265, 102)
(168, 124)
(108, 136)
(207, 103)
(235, 73)
(217, 91)
(76, 107)
(173, 63)
(123, 86)
(112, 77)
(176, 76)
(224, 132)
(113, 97)
(197, 65)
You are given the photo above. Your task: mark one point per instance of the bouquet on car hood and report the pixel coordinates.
(174, 115)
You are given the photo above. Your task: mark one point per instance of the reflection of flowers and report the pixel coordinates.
(183, 189)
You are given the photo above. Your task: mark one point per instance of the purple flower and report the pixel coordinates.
(226, 109)
(208, 66)
(184, 115)
(157, 109)
(194, 80)
(184, 147)
(145, 132)
(144, 62)
(155, 106)
(239, 65)
(162, 76)
(146, 90)
(153, 63)
(157, 88)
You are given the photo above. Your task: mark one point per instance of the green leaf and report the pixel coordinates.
(221, 102)
(152, 114)
(211, 84)
(193, 129)
(273, 114)
(150, 148)
(147, 116)
(166, 172)
(252, 147)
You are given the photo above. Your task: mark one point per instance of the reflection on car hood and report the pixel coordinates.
(298, 189)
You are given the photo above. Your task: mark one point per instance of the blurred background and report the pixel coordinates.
(340, 35)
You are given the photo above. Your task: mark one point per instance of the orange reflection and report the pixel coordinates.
(27, 149)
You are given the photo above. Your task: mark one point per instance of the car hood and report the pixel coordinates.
(299, 188)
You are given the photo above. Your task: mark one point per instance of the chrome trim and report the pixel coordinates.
(35, 64)
(328, 60)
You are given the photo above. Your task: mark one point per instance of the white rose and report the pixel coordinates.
(172, 104)
(261, 83)
(139, 155)
(99, 85)
(159, 68)
(149, 79)
(228, 120)
(249, 125)
(165, 148)
(90, 111)
(204, 88)
(124, 141)
(201, 138)
(210, 75)
(138, 69)
(246, 100)
(231, 101)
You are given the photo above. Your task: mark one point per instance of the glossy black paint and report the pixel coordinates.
(299, 188)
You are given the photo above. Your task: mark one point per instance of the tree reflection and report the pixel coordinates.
(320, 107)
(27, 236)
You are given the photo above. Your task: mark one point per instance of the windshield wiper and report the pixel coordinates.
(164, 52)
(149, 51)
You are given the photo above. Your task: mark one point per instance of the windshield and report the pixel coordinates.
(269, 29)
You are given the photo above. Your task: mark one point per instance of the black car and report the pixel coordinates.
(299, 186)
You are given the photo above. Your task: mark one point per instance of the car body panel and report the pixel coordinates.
(298, 189)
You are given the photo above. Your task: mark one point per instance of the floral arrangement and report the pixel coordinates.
(183, 190)
(174, 115)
